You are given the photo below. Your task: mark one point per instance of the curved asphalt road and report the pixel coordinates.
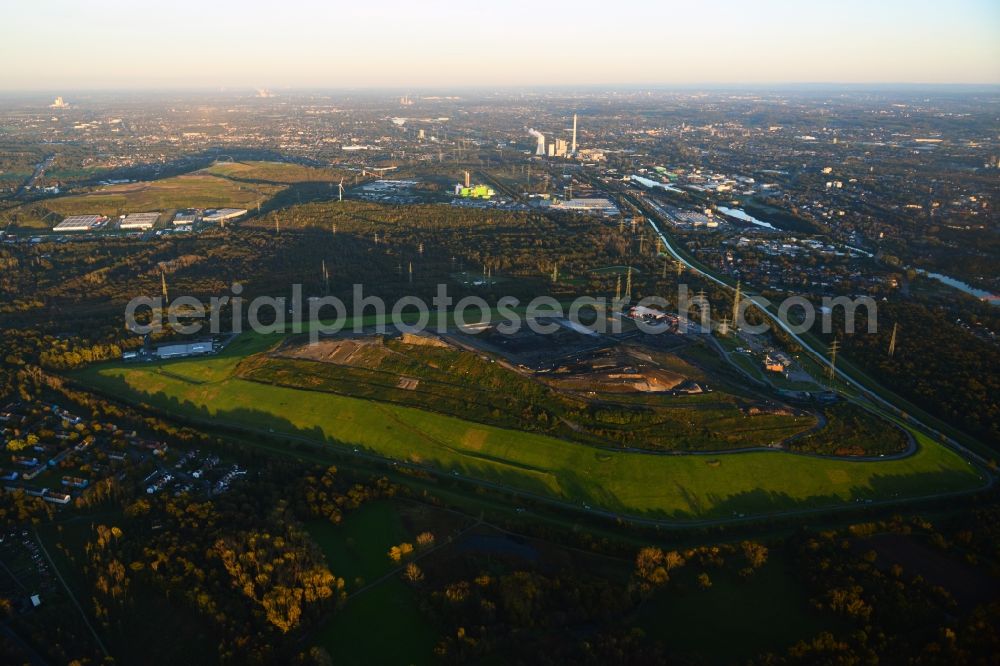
(805, 345)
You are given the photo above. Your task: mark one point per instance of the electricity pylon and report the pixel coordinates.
(834, 347)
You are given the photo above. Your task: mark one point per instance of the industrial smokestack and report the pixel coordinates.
(572, 149)
(540, 150)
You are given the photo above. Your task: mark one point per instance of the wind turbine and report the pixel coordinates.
(340, 190)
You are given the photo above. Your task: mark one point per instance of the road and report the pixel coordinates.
(39, 170)
(652, 217)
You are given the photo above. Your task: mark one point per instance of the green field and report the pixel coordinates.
(387, 615)
(201, 189)
(274, 172)
(680, 487)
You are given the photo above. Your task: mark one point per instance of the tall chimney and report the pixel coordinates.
(573, 148)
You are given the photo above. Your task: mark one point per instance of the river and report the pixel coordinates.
(740, 214)
(981, 294)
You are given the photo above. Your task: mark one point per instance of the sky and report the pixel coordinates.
(54, 45)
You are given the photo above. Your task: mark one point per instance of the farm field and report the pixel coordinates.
(676, 487)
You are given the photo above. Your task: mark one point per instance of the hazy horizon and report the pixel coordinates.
(114, 45)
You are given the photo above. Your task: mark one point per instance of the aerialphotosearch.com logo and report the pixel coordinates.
(328, 315)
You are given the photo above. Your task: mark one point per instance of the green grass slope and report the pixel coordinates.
(682, 487)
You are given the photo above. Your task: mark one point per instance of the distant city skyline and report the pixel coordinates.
(112, 44)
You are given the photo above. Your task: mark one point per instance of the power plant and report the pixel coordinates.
(540, 150)
(556, 147)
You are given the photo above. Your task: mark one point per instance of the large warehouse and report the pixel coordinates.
(598, 205)
(80, 223)
(188, 349)
(140, 221)
(223, 214)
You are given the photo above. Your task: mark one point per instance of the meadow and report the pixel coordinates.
(357, 550)
(281, 173)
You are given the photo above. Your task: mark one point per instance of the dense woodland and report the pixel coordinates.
(938, 365)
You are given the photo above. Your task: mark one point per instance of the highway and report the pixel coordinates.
(35, 175)
(652, 218)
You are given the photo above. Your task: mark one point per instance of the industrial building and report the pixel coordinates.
(139, 221)
(80, 223)
(188, 349)
(223, 214)
(185, 218)
(474, 192)
(590, 155)
(598, 205)
(696, 219)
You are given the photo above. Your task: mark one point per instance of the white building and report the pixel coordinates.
(140, 221)
(189, 349)
(596, 205)
(80, 223)
(223, 214)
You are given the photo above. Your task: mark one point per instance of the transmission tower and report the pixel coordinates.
(724, 326)
(834, 347)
